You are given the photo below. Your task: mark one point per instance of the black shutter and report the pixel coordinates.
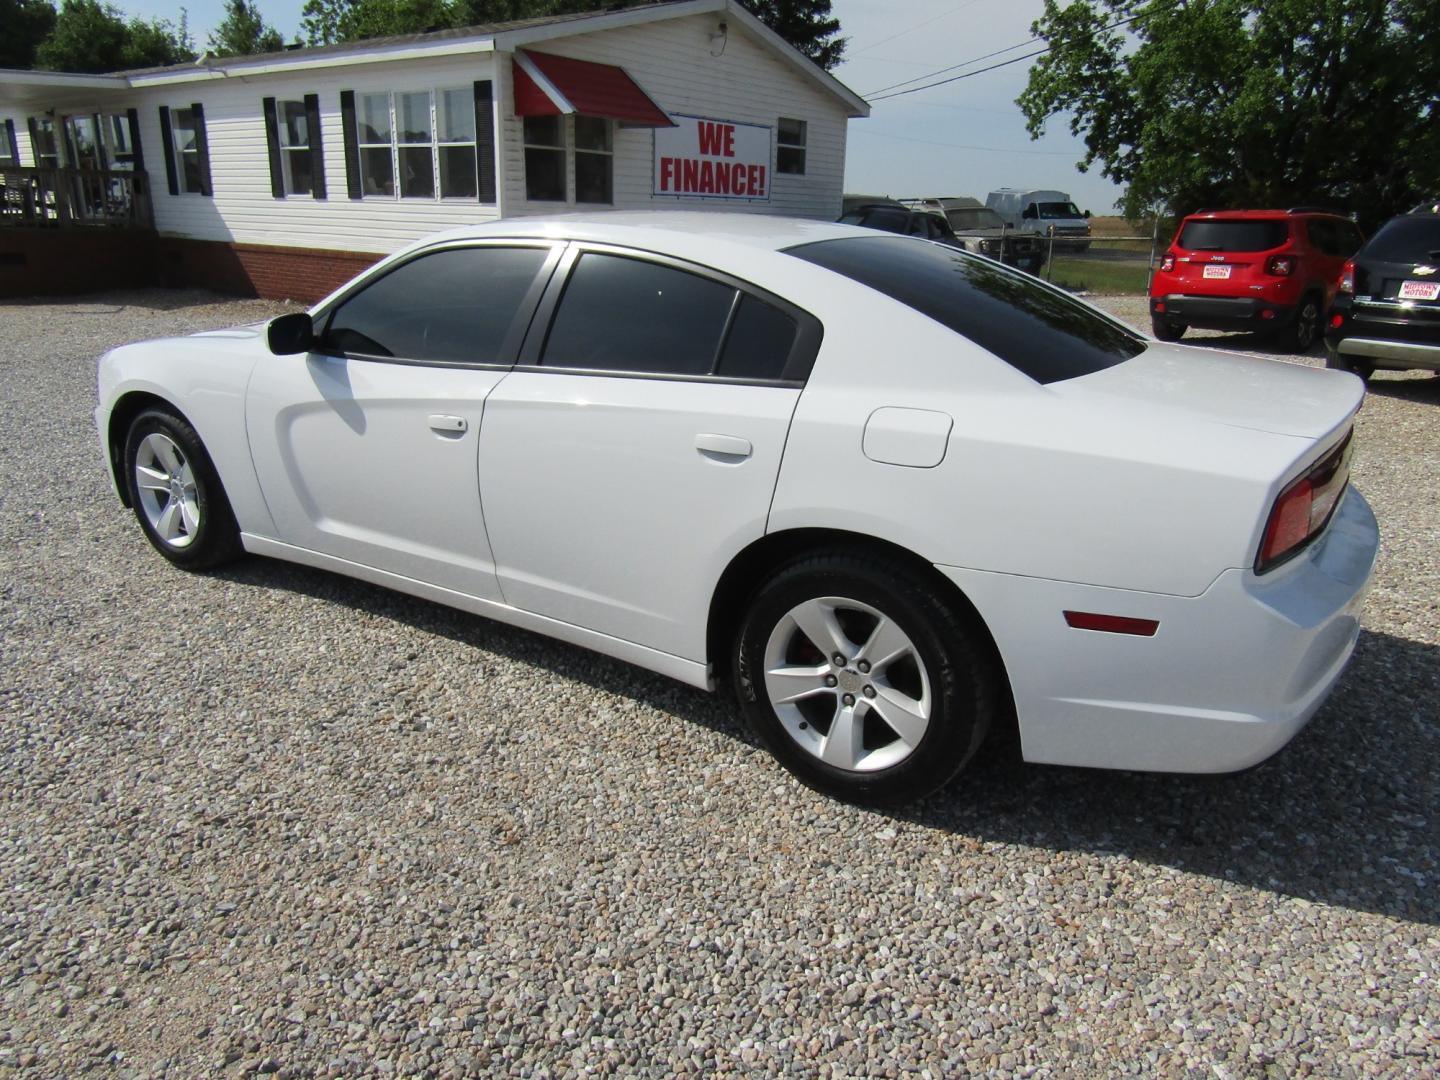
(132, 116)
(272, 144)
(352, 144)
(202, 148)
(167, 142)
(485, 140)
(14, 147)
(317, 154)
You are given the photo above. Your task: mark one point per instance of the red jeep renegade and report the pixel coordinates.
(1271, 271)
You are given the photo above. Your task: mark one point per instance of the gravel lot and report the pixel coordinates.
(275, 821)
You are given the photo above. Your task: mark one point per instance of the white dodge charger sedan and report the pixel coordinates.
(889, 492)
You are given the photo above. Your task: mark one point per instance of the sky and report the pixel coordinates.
(965, 138)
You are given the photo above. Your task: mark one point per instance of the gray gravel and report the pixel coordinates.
(271, 821)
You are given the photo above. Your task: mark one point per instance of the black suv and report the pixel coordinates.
(1386, 312)
(896, 217)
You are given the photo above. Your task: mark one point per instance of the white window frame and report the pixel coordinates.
(286, 149)
(800, 146)
(571, 150)
(435, 144)
(48, 125)
(182, 177)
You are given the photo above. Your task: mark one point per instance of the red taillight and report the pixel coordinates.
(1304, 507)
(1280, 265)
(1167, 263)
(1347, 277)
(1112, 624)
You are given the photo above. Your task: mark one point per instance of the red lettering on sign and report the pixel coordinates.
(729, 140)
(737, 180)
(752, 178)
(716, 140)
(667, 167)
(707, 178)
(722, 179)
(690, 174)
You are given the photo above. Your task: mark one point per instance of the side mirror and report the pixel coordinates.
(290, 334)
(1087, 213)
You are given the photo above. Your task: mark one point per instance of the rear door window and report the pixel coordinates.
(1235, 235)
(1035, 328)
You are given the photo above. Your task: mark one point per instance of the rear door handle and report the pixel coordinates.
(724, 447)
(450, 425)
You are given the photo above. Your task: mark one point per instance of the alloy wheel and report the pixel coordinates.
(165, 484)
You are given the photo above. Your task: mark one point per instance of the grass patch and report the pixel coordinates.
(1092, 275)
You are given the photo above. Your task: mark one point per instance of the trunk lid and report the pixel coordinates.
(1223, 388)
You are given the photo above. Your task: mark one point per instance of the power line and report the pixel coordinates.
(1004, 63)
(953, 67)
(912, 29)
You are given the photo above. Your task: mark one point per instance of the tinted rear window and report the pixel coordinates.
(1233, 235)
(1406, 239)
(1034, 328)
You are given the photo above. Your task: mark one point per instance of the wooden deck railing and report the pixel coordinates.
(73, 198)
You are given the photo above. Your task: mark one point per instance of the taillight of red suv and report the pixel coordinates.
(1167, 264)
(1347, 278)
(1280, 265)
(1303, 509)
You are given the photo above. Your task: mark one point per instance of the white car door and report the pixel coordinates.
(365, 448)
(636, 446)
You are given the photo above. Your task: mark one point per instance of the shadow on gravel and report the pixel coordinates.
(1425, 391)
(1348, 814)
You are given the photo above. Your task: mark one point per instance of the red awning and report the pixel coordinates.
(548, 85)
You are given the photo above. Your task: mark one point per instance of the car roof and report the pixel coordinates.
(661, 229)
(1262, 215)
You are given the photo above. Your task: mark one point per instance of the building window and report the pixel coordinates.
(544, 159)
(119, 140)
(594, 160)
(293, 138)
(790, 147)
(548, 158)
(425, 139)
(43, 145)
(187, 151)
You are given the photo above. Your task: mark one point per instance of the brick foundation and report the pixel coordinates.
(66, 262)
(275, 273)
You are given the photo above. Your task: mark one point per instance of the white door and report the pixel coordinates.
(366, 448)
(637, 447)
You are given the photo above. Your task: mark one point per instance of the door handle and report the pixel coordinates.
(723, 447)
(448, 425)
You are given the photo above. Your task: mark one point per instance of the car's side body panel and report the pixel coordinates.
(204, 377)
(374, 462)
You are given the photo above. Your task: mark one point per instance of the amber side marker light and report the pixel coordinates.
(1111, 624)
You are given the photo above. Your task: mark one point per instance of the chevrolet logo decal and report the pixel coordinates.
(1421, 271)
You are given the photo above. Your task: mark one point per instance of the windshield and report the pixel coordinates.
(1036, 328)
(1217, 234)
(1059, 210)
(1406, 239)
(978, 217)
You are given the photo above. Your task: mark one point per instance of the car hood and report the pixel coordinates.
(1238, 391)
(250, 330)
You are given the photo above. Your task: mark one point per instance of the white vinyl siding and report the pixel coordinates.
(244, 209)
(672, 62)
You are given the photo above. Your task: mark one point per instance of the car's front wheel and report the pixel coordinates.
(176, 494)
(861, 680)
(1164, 330)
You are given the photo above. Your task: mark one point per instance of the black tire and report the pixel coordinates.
(208, 535)
(1304, 328)
(1167, 331)
(1336, 362)
(949, 656)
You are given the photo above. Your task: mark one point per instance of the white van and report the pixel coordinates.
(1037, 210)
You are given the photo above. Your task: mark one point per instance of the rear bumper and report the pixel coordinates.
(1227, 680)
(1388, 354)
(1222, 312)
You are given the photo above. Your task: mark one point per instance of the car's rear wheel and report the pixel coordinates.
(1163, 330)
(1301, 334)
(176, 494)
(1337, 362)
(861, 680)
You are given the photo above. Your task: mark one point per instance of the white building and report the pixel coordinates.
(284, 174)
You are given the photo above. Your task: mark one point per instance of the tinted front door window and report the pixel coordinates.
(452, 307)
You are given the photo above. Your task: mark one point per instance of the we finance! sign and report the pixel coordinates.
(712, 159)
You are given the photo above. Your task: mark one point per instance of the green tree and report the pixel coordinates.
(244, 32)
(806, 24)
(27, 23)
(1253, 103)
(93, 37)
